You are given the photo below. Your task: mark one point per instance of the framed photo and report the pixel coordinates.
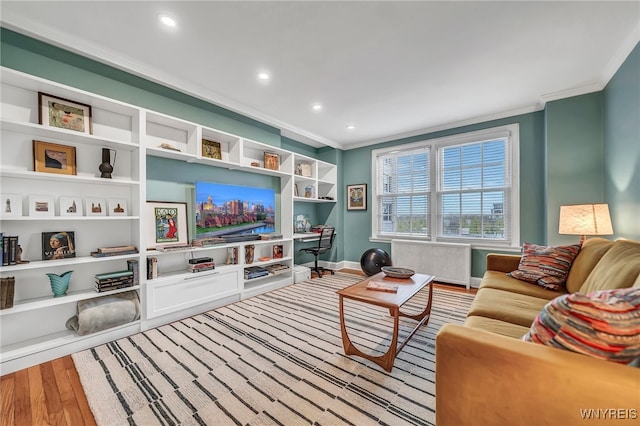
(58, 245)
(70, 206)
(167, 224)
(41, 205)
(54, 158)
(117, 206)
(278, 251)
(271, 161)
(211, 149)
(357, 197)
(10, 205)
(63, 113)
(95, 206)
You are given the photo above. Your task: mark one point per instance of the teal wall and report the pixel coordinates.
(622, 147)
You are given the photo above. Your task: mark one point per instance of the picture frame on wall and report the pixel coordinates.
(357, 197)
(10, 205)
(54, 158)
(117, 207)
(70, 205)
(167, 224)
(54, 111)
(41, 205)
(211, 149)
(95, 206)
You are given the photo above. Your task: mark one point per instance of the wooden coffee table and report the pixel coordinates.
(407, 288)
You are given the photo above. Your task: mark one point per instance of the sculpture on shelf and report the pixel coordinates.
(373, 260)
(59, 283)
(106, 168)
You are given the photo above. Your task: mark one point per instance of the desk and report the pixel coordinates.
(306, 236)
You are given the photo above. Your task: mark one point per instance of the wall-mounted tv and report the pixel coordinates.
(223, 209)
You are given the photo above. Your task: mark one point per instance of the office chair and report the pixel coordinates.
(324, 244)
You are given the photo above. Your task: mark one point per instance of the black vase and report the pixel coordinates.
(106, 168)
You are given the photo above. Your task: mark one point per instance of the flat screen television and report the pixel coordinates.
(223, 209)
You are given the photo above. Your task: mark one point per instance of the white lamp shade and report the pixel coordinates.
(585, 219)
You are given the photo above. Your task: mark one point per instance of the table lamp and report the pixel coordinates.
(585, 219)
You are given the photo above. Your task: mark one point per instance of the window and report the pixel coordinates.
(459, 188)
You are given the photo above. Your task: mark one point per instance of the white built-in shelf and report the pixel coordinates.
(95, 180)
(68, 218)
(40, 264)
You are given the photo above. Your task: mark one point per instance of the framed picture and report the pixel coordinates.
(41, 205)
(211, 149)
(58, 245)
(54, 158)
(167, 224)
(10, 205)
(271, 161)
(95, 206)
(278, 251)
(63, 113)
(117, 206)
(70, 206)
(357, 197)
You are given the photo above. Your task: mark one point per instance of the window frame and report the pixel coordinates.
(512, 131)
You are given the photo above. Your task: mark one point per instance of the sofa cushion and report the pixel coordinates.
(500, 281)
(506, 306)
(590, 254)
(496, 326)
(545, 265)
(618, 268)
(603, 324)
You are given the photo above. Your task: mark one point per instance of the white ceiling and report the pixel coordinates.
(390, 68)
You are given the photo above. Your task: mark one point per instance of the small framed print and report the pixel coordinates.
(58, 245)
(70, 206)
(95, 207)
(117, 206)
(41, 205)
(211, 149)
(10, 205)
(167, 224)
(278, 251)
(357, 197)
(64, 113)
(271, 161)
(54, 158)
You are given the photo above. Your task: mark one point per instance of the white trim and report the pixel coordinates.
(569, 93)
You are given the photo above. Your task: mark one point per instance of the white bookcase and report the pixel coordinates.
(34, 330)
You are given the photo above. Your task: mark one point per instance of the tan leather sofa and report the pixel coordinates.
(486, 375)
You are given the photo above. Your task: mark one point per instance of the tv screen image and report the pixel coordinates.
(223, 209)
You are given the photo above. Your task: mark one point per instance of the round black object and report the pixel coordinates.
(373, 260)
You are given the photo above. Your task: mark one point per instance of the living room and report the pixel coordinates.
(579, 146)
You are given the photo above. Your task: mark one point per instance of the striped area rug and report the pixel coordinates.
(274, 359)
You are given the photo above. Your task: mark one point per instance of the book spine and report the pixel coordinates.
(114, 253)
(115, 274)
(115, 249)
(152, 268)
(133, 266)
(1, 248)
(4, 288)
(13, 250)
(5, 251)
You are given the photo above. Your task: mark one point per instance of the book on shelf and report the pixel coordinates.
(115, 249)
(115, 274)
(114, 253)
(255, 272)
(174, 247)
(232, 256)
(207, 242)
(1, 248)
(277, 268)
(58, 245)
(133, 266)
(7, 286)
(201, 267)
(382, 286)
(152, 268)
(100, 288)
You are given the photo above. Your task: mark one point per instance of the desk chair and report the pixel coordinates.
(324, 244)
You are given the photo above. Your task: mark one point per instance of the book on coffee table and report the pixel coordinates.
(382, 286)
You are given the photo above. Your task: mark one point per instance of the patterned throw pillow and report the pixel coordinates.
(604, 324)
(545, 266)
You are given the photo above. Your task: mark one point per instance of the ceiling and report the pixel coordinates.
(391, 69)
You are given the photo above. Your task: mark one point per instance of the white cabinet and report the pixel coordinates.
(34, 330)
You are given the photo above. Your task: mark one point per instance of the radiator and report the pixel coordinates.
(448, 262)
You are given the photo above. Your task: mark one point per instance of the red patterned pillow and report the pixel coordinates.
(604, 324)
(545, 266)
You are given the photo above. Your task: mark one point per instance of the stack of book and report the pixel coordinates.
(201, 264)
(114, 251)
(173, 247)
(277, 268)
(382, 286)
(113, 280)
(6, 292)
(9, 249)
(207, 242)
(255, 272)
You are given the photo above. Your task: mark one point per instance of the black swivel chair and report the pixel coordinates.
(324, 244)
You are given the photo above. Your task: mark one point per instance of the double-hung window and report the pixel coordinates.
(459, 188)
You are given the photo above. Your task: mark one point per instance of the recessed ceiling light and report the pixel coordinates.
(168, 21)
(263, 76)
(351, 127)
(316, 107)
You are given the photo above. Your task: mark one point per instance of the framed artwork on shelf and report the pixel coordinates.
(11, 205)
(278, 251)
(41, 205)
(167, 224)
(271, 161)
(70, 206)
(58, 245)
(95, 206)
(357, 197)
(211, 149)
(54, 158)
(64, 113)
(117, 206)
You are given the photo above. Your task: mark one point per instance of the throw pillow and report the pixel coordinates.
(545, 266)
(604, 324)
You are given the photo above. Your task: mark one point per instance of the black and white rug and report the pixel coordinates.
(274, 359)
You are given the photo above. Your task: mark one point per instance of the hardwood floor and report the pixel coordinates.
(51, 393)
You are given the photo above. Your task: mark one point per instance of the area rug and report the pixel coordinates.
(273, 359)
